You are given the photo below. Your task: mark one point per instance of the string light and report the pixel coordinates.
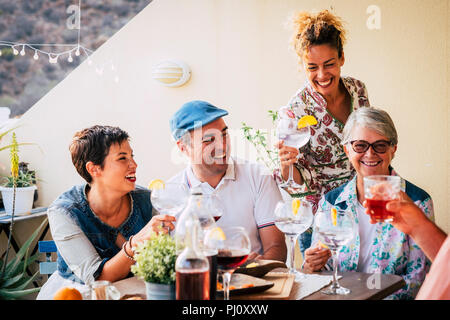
(53, 56)
(52, 59)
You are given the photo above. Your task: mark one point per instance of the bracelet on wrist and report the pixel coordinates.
(125, 251)
(131, 245)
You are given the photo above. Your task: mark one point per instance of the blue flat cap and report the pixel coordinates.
(193, 115)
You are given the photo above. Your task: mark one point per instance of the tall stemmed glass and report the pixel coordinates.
(171, 198)
(335, 228)
(293, 217)
(233, 249)
(213, 205)
(288, 132)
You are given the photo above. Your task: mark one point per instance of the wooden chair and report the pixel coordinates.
(48, 266)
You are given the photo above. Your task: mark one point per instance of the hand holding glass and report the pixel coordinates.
(170, 199)
(378, 191)
(288, 132)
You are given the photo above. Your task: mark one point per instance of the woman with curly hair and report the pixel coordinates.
(321, 164)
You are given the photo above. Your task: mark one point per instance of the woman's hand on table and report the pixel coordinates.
(316, 258)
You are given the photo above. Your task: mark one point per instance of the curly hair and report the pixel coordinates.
(316, 29)
(92, 144)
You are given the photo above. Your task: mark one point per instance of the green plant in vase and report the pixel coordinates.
(155, 264)
(18, 190)
(13, 277)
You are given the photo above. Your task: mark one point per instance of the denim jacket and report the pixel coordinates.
(73, 204)
(393, 251)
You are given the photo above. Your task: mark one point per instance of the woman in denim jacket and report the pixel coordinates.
(97, 224)
(370, 142)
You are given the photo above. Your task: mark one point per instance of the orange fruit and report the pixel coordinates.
(68, 293)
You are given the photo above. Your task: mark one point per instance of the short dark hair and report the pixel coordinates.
(92, 144)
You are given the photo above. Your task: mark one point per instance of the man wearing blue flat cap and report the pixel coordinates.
(249, 196)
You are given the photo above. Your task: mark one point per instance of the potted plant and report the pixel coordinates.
(13, 278)
(19, 188)
(155, 264)
(14, 281)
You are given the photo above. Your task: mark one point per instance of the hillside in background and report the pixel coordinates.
(23, 80)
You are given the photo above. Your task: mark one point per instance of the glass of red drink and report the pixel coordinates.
(378, 191)
(233, 246)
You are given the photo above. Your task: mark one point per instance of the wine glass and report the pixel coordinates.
(170, 199)
(233, 249)
(292, 137)
(335, 228)
(293, 217)
(213, 206)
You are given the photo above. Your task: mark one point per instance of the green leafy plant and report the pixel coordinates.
(259, 139)
(14, 279)
(25, 178)
(155, 259)
(3, 134)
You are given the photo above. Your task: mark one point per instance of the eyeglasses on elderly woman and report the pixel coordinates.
(379, 146)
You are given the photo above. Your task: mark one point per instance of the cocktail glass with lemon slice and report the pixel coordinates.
(293, 217)
(168, 197)
(294, 133)
(333, 229)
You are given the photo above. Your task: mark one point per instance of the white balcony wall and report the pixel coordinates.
(241, 60)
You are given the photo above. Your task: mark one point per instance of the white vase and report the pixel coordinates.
(24, 200)
(157, 291)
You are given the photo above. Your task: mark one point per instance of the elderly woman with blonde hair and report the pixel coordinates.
(370, 142)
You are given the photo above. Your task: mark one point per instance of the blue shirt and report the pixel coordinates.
(73, 204)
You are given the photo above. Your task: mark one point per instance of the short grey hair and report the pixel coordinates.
(371, 118)
(185, 138)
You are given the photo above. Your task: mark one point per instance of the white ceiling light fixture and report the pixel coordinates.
(171, 73)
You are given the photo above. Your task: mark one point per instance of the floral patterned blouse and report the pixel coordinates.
(322, 162)
(393, 252)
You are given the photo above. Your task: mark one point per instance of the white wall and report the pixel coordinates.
(240, 58)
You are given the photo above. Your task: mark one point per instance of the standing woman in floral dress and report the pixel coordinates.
(321, 164)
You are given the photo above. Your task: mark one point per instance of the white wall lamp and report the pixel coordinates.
(171, 73)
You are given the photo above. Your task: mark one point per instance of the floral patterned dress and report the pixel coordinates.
(322, 162)
(392, 252)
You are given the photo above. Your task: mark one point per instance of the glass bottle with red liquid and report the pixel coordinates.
(189, 238)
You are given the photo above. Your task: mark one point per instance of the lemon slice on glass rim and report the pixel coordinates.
(156, 184)
(334, 216)
(295, 206)
(306, 121)
(323, 245)
(216, 234)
